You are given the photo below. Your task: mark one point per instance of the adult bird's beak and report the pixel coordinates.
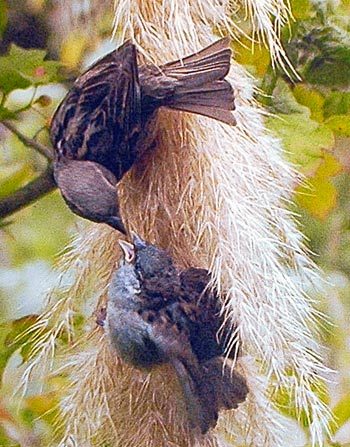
(138, 242)
(118, 224)
(128, 250)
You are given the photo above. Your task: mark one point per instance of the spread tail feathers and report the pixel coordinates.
(207, 389)
(230, 387)
(201, 86)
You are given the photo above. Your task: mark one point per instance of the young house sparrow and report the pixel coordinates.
(156, 315)
(105, 116)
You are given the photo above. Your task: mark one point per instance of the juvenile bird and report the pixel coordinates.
(156, 315)
(105, 117)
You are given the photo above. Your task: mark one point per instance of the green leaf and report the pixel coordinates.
(319, 196)
(330, 167)
(40, 235)
(256, 59)
(341, 413)
(311, 99)
(301, 9)
(303, 139)
(22, 68)
(9, 338)
(337, 103)
(10, 79)
(4, 440)
(6, 114)
(4, 224)
(285, 102)
(339, 124)
(44, 406)
(13, 177)
(329, 73)
(331, 68)
(320, 52)
(72, 49)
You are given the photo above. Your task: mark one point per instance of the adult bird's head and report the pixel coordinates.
(90, 191)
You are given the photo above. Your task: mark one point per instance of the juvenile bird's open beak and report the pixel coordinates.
(138, 242)
(128, 250)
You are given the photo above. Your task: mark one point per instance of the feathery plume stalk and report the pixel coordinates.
(265, 17)
(215, 197)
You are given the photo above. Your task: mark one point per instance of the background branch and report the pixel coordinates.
(41, 148)
(28, 194)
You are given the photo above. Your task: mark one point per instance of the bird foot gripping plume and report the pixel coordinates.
(157, 314)
(100, 128)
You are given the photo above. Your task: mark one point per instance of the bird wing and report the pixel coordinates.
(195, 279)
(206, 388)
(169, 327)
(212, 334)
(168, 331)
(196, 290)
(100, 117)
(63, 117)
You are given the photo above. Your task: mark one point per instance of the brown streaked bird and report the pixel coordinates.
(157, 315)
(105, 116)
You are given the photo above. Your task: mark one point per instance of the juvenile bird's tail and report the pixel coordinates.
(209, 388)
(229, 386)
(201, 87)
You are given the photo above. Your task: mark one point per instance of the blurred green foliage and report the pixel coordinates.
(310, 113)
(3, 16)
(22, 68)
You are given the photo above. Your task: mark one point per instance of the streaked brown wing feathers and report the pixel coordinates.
(102, 112)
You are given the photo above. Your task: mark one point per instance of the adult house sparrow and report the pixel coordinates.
(152, 319)
(105, 115)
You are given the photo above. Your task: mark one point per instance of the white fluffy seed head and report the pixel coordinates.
(216, 197)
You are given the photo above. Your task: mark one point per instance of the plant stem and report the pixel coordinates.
(41, 148)
(28, 194)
